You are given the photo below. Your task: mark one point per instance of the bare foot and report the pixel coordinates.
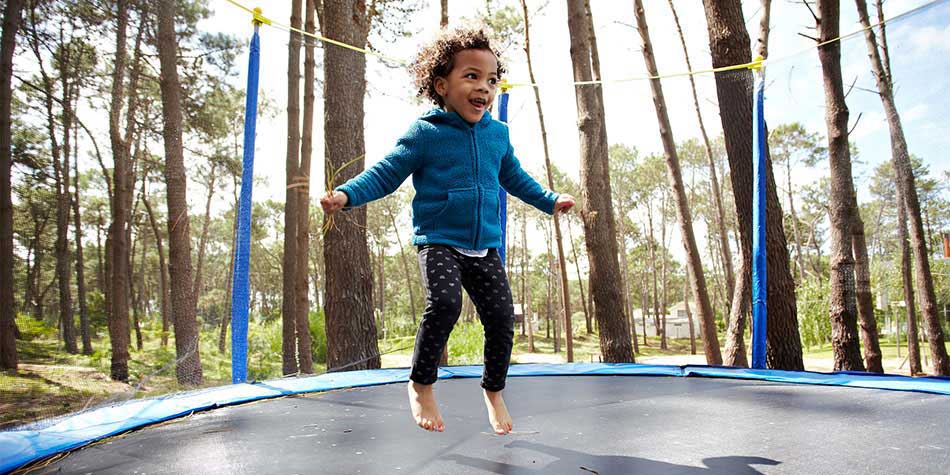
(424, 409)
(497, 412)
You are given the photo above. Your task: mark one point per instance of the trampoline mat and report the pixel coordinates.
(574, 425)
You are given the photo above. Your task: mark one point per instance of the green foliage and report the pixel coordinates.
(466, 344)
(318, 337)
(813, 321)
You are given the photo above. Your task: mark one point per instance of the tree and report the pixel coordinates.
(707, 320)
(8, 353)
(562, 265)
(729, 45)
(348, 309)
(907, 184)
(301, 291)
(188, 367)
(842, 302)
(598, 211)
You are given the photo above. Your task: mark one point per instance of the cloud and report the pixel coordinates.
(929, 40)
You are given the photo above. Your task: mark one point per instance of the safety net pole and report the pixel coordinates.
(240, 285)
(759, 277)
(502, 196)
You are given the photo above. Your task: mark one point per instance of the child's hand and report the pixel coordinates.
(333, 201)
(564, 203)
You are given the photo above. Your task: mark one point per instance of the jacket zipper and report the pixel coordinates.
(478, 194)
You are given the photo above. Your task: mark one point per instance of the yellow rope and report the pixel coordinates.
(756, 64)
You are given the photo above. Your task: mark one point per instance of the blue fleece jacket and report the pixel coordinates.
(456, 169)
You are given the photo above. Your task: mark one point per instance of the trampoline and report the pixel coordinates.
(579, 418)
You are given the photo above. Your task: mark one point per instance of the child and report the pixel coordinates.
(458, 157)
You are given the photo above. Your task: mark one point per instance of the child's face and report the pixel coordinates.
(469, 88)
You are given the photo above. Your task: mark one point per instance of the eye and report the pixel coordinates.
(493, 81)
(470, 76)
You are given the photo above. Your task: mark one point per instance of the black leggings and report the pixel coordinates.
(445, 272)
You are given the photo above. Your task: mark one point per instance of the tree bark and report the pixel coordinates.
(84, 330)
(729, 44)
(351, 333)
(913, 347)
(580, 280)
(842, 304)
(162, 268)
(862, 287)
(725, 251)
(598, 212)
(735, 353)
(302, 289)
(707, 320)
(8, 352)
(906, 182)
(188, 367)
(117, 262)
(288, 308)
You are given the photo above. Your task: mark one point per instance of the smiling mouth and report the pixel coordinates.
(478, 102)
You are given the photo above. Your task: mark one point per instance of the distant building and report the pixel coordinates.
(677, 324)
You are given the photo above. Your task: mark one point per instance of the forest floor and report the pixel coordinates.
(51, 383)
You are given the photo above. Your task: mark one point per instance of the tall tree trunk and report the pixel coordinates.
(137, 296)
(562, 264)
(656, 294)
(226, 320)
(580, 280)
(525, 297)
(729, 45)
(188, 368)
(8, 353)
(689, 317)
(735, 353)
(351, 334)
(707, 320)
(288, 308)
(162, 268)
(84, 330)
(664, 303)
(117, 262)
(913, 347)
(598, 212)
(724, 249)
(197, 288)
(302, 289)
(907, 183)
(405, 266)
(842, 305)
(862, 287)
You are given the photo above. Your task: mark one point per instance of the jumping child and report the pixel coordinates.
(458, 157)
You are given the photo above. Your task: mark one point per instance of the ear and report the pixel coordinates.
(441, 86)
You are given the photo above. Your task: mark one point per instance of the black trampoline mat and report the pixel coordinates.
(573, 425)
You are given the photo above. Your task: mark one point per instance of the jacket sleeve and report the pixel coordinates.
(386, 175)
(516, 181)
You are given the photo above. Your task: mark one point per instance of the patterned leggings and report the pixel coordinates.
(445, 272)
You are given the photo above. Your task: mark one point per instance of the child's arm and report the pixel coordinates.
(382, 178)
(517, 182)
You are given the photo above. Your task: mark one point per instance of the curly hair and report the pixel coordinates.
(437, 58)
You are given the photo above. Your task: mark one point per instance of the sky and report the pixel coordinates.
(920, 46)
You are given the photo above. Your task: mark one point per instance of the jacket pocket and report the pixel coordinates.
(490, 232)
(456, 219)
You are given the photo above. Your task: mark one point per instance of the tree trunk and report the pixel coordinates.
(842, 305)
(562, 264)
(656, 295)
(525, 298)
(188, 367)
(226, 320)
(302, 289)
(351, 334)
(405, 266)
(724, 249)
(862, 287)
(205, 224)
(729, 45)
(791, 210)
(735, 354)
(664, 303)
(689, 317)
(913, 348)
(906, 182)
(137, 296)
(117, 263)
(707, 320)
(162, 268)
(84, 330)
(8, 353)
(580, 280)
(288, 308)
